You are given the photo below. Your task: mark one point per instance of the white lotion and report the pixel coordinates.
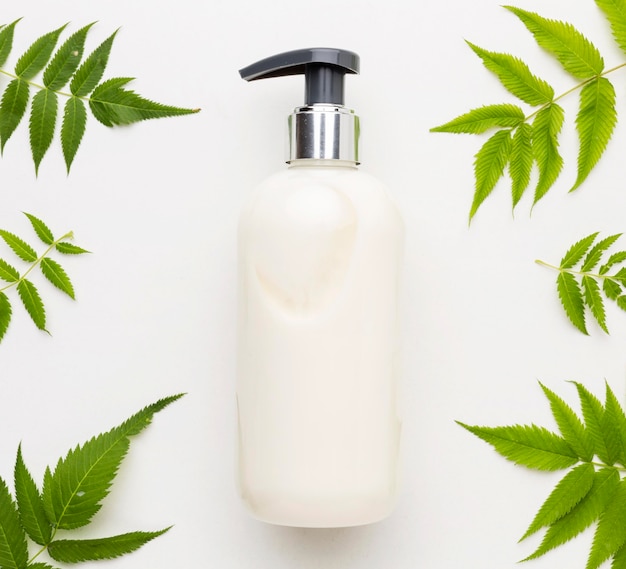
(320, 249)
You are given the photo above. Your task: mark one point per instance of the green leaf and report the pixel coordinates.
(72, 129)
(70, 249)
(521, 163)
(483, 119)
(528, 445)
(611, 289)
(90, 72)
(602, 437)
(41, 229)
(614, 259)
(576, 53)
(13, 549)
(489, 166)
(12, 108)
(620, 276)
(5, 314)
(40, 566)
(6, 41)
(37, 55)
(546, 129)
(615, 11)
(594, 256)
(77, 550)
(610, 534)
(572, 300)
(22, 249)
(614, 426)
(30, 504)
(32, 302)
(42, 122)
(112, 105)
(568, 492)
(595, 123)
(57, 276)
(619, 559)
(66, 60)
(516, 77)
(594, 301)
(621, 302)
(570, 425)
(8, 273)
(73, 492)
(576, 252)
(586, 512)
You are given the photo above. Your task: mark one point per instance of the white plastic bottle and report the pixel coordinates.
(320, 250)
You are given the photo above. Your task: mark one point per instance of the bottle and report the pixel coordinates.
(320, 251)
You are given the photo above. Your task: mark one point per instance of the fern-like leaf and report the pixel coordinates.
(574, 51)
(91, 71)
(570, 425)
(585, 513)
(30, 504)
(37, 55)
(32, 302)
(572, 300)
(8, 273)
(515, 76)
(41, 229)
(576, 252)
(12, 108)
(595, 123)
(527, 445)
(66, 60)
(595, 254)
(546, 129)
(610, 534)
(57, 276)
(521, 162)
(483, 119)
(489, 166)
(113, 105)
(6, 41)
(593, 299)
(73, 129)
(78, 550)
(574, 486)
(22, 249)
(73, 493)
(109, 102)
(614, 424)
(5, 314)
(13, 548)
(70, 249)
(615, 11)
(580, 288)
(42, 122)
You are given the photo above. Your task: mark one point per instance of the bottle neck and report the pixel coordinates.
(323, 132)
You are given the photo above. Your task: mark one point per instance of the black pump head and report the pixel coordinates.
(323, 69)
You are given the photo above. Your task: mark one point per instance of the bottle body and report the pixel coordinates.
(320, 248)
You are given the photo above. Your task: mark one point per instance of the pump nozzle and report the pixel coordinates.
(323, 128)
(323, 68)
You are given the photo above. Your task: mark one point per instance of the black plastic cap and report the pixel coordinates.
(324, 69)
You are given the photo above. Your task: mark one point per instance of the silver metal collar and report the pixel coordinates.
(323, 132)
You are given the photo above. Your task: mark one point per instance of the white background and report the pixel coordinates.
(157, 204)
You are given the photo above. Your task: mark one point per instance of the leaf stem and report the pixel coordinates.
(39, 86)
(572, 271)
(68, 235)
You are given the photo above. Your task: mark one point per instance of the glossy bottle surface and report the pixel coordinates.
(320, 249)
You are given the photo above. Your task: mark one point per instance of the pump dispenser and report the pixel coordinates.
(323, 128)
(320, 252)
